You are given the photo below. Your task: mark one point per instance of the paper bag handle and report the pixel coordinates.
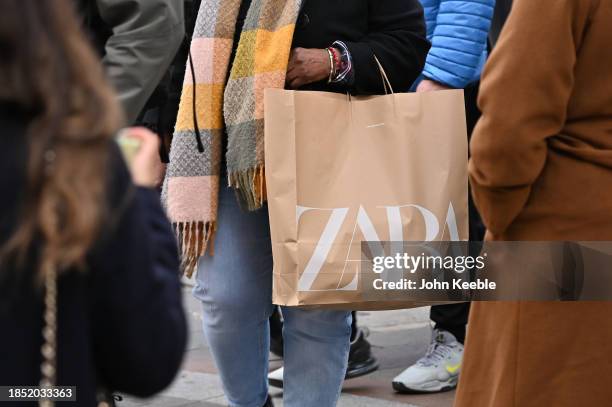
(385, 78)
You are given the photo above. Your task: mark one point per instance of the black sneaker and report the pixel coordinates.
(361, 362)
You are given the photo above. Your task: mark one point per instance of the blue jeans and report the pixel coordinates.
(235, 288)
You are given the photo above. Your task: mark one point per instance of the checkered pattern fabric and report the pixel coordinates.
(191, 187)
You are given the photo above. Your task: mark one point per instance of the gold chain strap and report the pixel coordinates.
(48, 367)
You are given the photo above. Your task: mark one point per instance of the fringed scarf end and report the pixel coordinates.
(250, 187)
(195, 239)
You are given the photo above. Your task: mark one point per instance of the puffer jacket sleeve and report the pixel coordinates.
(459, 41)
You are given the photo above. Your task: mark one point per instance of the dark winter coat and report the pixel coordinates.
(121, 322)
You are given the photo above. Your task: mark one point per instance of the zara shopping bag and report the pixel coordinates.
(341, 170)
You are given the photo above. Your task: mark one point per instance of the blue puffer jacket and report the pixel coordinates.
(458, 31)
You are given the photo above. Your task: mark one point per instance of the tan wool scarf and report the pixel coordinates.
(210, 110)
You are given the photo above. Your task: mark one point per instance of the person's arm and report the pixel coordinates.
(397, 38)
(459, 41)
(146, 36)
(526, 88)
(138, 323)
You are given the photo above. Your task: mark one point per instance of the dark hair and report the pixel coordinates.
(48, 69)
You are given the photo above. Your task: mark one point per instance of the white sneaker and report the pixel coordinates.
(437, 371)
(275, 378)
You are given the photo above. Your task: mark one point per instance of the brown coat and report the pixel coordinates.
(542, 170)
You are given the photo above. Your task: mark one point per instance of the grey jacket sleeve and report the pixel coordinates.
(146, 36)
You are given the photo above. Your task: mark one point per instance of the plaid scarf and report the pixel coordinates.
(210, 108)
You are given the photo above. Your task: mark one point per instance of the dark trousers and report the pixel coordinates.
(453, 318)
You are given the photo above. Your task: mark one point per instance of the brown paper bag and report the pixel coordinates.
(341, 170)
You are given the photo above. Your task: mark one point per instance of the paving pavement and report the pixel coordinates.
(398, 338)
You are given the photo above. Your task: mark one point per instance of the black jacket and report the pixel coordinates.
(393, 30)
(121, 322)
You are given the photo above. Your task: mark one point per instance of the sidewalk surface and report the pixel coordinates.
(398, 338)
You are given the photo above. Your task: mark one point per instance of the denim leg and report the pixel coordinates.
(235, 288)
(316, 356)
